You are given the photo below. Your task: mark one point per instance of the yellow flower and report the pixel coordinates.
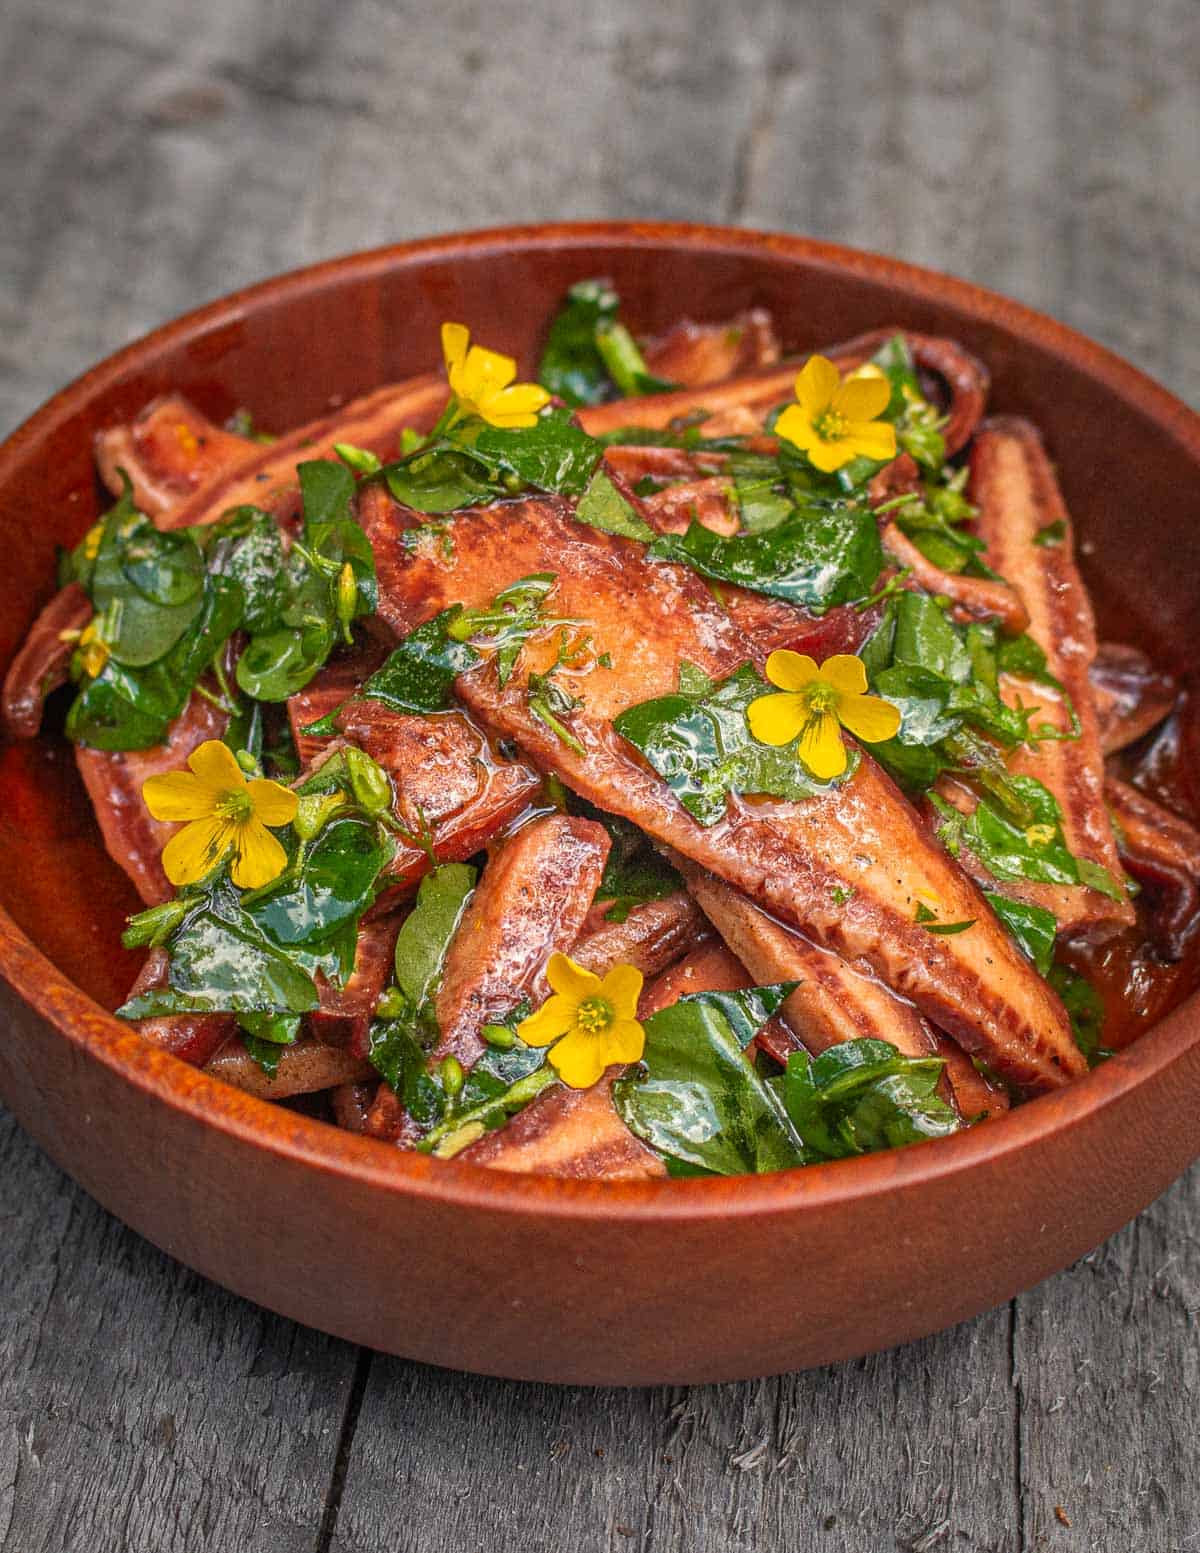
(224, 813)
(93, 650)
(815, 701)
(482, 382)
(834, 421)
(591, 1020)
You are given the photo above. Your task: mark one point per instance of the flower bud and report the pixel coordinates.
(347, 594)
(392, 1005)
(314, 812)
(450, 1071)
(368, 782)
(155, 925)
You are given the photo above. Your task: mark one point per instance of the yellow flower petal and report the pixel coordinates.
(622, 987)
(517, 406)
(776, 719)
(862, 398)
(845, 673)
(483, 374)
(828, 456)
(626, 1041)
(579, 1060)
(455, 339)
(871, 439)
(792, 670)
(869, 718)
(555, 1017)
(258, 856)
(196, 850)
(571, 980)
(177, 795)
(821, 747)
(273, 804)
(215, 765)
(794, 425)
(816, 385)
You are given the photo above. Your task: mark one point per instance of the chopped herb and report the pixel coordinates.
(1012, 850)
(1051, 534)
(603, 507)
(1085, 1009)
(1033, 927)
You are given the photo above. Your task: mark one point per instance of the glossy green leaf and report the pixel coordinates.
(697, 1101)
(861, 1096)
(602, 506)
(427, 930)
(699, 742)
(1033, 927)
(822, 554)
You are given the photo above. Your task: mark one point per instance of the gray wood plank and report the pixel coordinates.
(1048, 151)
(154, 156)
(913, 1449)
(143, 1410)
(1109, 1365)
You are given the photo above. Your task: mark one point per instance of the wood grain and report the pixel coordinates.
(152, 157)
(141, 1407)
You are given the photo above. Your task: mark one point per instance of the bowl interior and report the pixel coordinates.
(288, 350)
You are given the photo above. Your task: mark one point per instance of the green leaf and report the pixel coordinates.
(553, 455)
(589, 352)
(634, 874)
(625, 362)
(247, 546)
(1051, 533)
(265, 1035)
(1033, 927)
(699, 742)
(327, 489)
(571, 365)
(128, 708)
(219, 962)
(861, 1096)
(440, 478)
(398, 1056)
(1036, 851)
(427, 930)
(825, 553)
(419, 674)
(1085, 1009)
(281, 662)
(761, 491)
(148, 585)
(603, 507)
(697, 1101)
(336, 885)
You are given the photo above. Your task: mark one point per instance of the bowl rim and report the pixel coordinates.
(302, 1140)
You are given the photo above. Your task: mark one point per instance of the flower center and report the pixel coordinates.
(830, 426)
(820, 699)
(594, 1016)
(235, 805)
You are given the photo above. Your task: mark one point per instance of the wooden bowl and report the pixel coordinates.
(693, 1280)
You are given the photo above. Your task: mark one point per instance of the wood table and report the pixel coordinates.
(155, 153)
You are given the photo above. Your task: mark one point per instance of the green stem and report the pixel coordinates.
(626, 364)
(513, 1099)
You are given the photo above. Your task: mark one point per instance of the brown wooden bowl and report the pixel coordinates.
(692, 1280)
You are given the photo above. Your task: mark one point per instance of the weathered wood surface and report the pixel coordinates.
(153, 156)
